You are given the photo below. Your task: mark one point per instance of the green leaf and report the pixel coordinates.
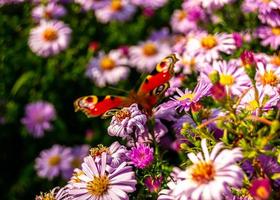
(21, 81)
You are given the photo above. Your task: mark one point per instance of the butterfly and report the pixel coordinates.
(147, 96)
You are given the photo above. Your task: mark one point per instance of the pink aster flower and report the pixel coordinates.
(128, 123)
(49, 38)
(270, 36)
(55, 194)
(141, 156)
(208, 47)
(265, 6)
(53, 161)
(184, 100)
(146, 55)
(99, 181)
(211, 174)
(213, 4)
(108, 68)
(38, 116)
(92, 4)
(250, 6)
(117, 10)
(49, 11)
(268, 75)
(231, 76)
(271, 17)
(267, 98)
(149, 4)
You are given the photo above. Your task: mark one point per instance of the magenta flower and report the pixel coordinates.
(128, 123)
(53, 161)
(260, 189)
(141, 156)
(153, 183)
(38, 116)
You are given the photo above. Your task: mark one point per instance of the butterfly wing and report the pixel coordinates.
(157, 80)
(94, 106)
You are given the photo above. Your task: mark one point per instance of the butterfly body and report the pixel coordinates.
(146, 97)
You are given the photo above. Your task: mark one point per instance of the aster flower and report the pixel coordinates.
(49, 38)
(160, 35)
(5, 2)
(265, 6)
(184, 100)
(78, 153)
(266, 99)
(271, 17)
(98, 182)
(146, 55)
(208, 47)
(38, 116)
(211, 175)
(117, 10)
(178, 124)
(92, 4)
(175, 82)
(55, 194)
(260, 189)
(141, 156)
(270, 36)
(149, 4)
(268, 76)
(108, 68)
(49, 11)
(128, 123)
(53, 161)
(213, 4)
(231, 76)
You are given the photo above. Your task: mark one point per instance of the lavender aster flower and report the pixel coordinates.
(149, 4)
(99, 181)
(210, 175)
(270, 36)
(271, 17)
(92, 4)
(49, 38)
(38, 116)
(117, 10)
(49, 11)
(141, 156)
(128, 122)
(52, 161)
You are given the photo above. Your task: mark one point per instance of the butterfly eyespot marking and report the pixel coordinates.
(160, 89)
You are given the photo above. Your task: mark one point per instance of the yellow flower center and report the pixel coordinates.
(106, 63)
(252, 105)
(98, 186)
(269, 78)
(189, 96)
(45, 196)
(116, 5)
(182, 15)
(122, 114)
(226, 79)
(54, 160)
(276, 60)
(75, 163)
(97, 151)
(209, 41)
(203, 172)
(75, 177)
(262, 192)
(266, 1)
(50, 34)
(275, 30)
(149, 49)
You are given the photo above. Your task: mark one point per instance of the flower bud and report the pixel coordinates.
(249, 63)
(218, 92)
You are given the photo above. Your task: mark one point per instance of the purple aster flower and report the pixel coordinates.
(141, 156)
(108, 68)
(177, 126)
(38, 116)
(175, 82)
(49, 38)
(49, 11)
(266, 6)
(160, 35)
(231, 76)
(270, 36)
(260, 189)
(128, 123)
(184, 100)
(55, 194)
(153, 183)
(271, 17)
(149, 4)
(5, 2)
(92, 4)
(78, 153)
(98, 180)
(117, 10)
(53, 161)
